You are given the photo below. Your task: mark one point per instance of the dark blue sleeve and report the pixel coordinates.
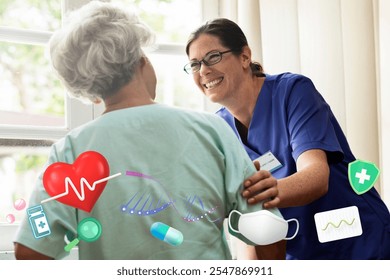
(311, 122)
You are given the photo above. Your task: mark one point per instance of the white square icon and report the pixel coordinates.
(338, 224)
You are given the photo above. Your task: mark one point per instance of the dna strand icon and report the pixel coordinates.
(144, 204)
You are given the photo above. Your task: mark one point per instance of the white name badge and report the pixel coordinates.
(269, 162)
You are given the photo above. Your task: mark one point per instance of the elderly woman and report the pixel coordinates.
(180, 171)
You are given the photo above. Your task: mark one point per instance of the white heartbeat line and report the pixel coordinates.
(83, 182)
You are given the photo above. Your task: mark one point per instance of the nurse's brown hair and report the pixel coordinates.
(230, 36)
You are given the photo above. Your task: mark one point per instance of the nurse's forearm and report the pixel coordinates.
(305, 186)
(309, 183)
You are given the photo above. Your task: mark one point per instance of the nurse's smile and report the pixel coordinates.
(213, 84)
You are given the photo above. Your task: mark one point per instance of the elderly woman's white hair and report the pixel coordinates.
(98, 50)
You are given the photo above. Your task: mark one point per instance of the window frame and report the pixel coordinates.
(76, 113)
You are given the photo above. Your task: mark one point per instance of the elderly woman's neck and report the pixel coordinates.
(128, 96)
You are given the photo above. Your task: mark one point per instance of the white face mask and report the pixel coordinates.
(262, 227)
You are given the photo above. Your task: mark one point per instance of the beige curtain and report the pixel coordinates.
(340, 45)
(382, 21)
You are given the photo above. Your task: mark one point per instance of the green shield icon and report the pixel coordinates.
(362, 175)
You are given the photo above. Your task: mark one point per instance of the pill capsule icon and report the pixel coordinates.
(166, 233)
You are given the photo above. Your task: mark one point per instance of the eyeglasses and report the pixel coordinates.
(210, 59)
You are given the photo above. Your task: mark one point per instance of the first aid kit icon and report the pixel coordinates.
(362, 175)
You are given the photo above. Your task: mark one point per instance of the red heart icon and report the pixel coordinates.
(74, 184)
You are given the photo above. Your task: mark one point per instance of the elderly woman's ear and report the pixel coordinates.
(96, 101)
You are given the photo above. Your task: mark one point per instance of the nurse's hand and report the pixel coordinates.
(261, 187)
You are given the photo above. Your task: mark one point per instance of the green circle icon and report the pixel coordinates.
(89, 229)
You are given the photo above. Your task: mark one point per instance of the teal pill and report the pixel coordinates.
(166, 233)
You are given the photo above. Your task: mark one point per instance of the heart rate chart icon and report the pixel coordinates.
(79, 184)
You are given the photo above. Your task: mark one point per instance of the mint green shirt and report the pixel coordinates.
(184, 169)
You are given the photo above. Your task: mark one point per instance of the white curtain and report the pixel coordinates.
(340, 45)
(382, 21)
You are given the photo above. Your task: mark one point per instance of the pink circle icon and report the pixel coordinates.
(20, 204)
(10, 218)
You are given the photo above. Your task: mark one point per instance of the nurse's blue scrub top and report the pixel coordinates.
(289, 118)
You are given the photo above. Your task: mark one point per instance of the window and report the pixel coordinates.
(30, 93)
(33, 101)
(172, 21)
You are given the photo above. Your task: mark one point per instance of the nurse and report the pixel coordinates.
(283, 120)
